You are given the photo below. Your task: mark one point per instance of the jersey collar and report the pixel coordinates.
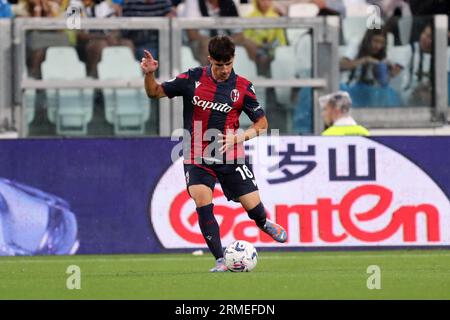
(345, 121)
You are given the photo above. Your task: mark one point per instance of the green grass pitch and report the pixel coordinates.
(411, 274)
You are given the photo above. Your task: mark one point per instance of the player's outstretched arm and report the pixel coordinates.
(259, 127)
(149, 66)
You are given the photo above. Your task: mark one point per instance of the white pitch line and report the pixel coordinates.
(261, 257)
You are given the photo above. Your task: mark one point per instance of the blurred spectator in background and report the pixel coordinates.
(38, 41)
(198, 39)
(266, 39)
(370, 72)
(418, 89)
(146, 39)
(336, 116)
(388, 8)
(391, 12)
(5, 9)
(20, 8)
(330, 7)
(426, 8)
(90, 44)
(117, 5)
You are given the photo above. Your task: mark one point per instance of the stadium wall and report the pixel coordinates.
(111, 196)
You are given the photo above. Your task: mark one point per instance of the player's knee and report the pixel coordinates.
(201, 198)
(201, 195)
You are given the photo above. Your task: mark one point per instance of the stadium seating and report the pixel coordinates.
(243, 65)
(247, 68)
(354, 28)
(30, 101)
(180, 9)
(294, 35)
(405, 29)
(70, 109)
(300, 10)
(402, 56)
(187, 59)
(126, 109)
(245, 9)
(303, 55)
(303, 10)
(356, 9)
(284, 66)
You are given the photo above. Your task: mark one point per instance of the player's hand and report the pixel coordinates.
(228, 142)
(148, 64)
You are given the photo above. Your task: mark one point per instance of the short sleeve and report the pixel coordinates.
(176, 86)
(251, 106)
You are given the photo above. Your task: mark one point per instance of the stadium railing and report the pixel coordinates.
(23, 82)
(5, 74)
(421, 116)
(324, 62)
(323, 78)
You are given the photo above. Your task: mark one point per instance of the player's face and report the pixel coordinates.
(221, 69)
(329, 114)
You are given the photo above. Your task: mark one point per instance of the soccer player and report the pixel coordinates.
(213, 99)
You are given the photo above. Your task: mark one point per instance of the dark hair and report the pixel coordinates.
(420, 72)
(221, 48)
(366, 44)
(365, 50)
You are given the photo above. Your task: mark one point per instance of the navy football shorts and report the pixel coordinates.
(236, 179)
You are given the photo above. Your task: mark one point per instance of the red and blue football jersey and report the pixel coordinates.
(210, 107)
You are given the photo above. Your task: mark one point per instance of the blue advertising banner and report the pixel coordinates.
(107, 196)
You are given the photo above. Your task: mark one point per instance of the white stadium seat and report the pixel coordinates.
(127, 109)
(245, 9)
(405, 29)
(243, 65)
(354, 28)
(247, 68)
(300, 10)
(284, 66)
(303, 10)
(30, 101)
(295, 34)
(180, 9)
(303, 56)
(402, 56)
(187, 59)
(70, 109)
(356, 8)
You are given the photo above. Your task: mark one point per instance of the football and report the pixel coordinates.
(240, 256)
